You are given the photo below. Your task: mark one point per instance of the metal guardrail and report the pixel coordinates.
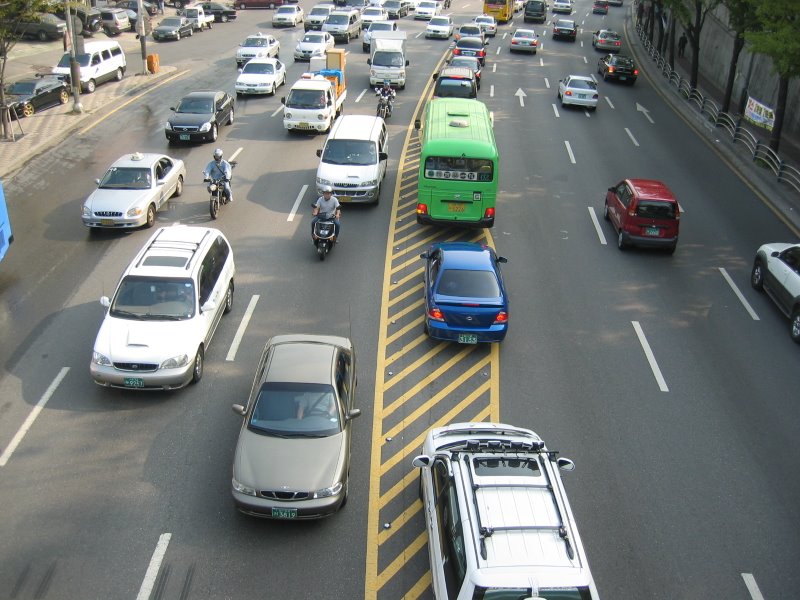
(732, 124)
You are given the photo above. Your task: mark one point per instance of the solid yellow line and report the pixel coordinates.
(136, 97)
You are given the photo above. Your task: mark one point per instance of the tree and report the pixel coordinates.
(12, 14)
(779, 39)
(692, 16)
(741, 18)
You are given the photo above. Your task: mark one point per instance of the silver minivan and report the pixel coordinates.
(343, 25)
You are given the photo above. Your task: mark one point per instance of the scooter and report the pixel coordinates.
(323, 234)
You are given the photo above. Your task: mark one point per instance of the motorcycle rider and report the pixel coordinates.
(325, 204)
(220, 169)
(387, 92)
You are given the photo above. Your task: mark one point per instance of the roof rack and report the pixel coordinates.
(157, 243)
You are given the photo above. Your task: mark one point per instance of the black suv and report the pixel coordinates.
(455, 82)
(535, 11)
(90, 19)
(618, 67)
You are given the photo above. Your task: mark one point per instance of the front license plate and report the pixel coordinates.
(651, 231)
(185, 137)
(467, 338)
(106, 222)
(303, 125)
(344, 198)
(284, 513)
(457, 208)
(136, 382)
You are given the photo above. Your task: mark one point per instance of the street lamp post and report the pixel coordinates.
(141, 25)
(74, 69)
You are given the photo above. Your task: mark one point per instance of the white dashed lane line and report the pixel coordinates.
(752, 586)
(662, 384)
(155, 564)
(600, 235)
(630, 135)
(237, 339)
(739, 294)
(569, 151)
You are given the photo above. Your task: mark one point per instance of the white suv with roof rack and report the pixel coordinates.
(498, 520)
(165, 310)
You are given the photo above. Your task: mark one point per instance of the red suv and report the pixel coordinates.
(644, 212)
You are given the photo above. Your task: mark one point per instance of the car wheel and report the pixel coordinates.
(794, 326)
(191, 32)
(757, 276)
(214, 132)
(621, 241)
(425, 329)
(605, 76)
(42, 35)
(91, 86)
(63, 97)
(230, 117)
(229, 298)
(119, 75)
(28, 109)
(151, 216)
(197, 369)
(606, 216)
(179, 186)
(242, 6)
(178, 36)
(223, 18)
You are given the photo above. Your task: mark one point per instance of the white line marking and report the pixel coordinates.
(360, 96)
(569, 151)
(541, 60)
(491, 91)
(494, 67)
(608, 101)
(237, 339)
(599, 231)
(739, 294)
(630, 135)
(277, 111)
(15, 441)
(419, 34)
(547, 83)
(498, 50)
(235, 154)
(662, 385)
(752, 586)
(152, 569)
(555, 110)
(585, 61)
(297, 202)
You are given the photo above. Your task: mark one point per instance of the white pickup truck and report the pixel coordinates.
(195, 14)
(313, 103)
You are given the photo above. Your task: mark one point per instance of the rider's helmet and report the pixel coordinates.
(326, 189)
(218, 154)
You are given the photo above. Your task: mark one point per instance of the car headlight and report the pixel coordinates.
(168, 126)
(328, 492)
(321, 181)
(175, 362)
(243, 489)
(101, 359)
(134, 212)
(371, 183)
(287, 115)
(205, 127)
(86, 211)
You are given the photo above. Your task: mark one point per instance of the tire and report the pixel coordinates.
(621, 241)
(197, 368)
(794, 326)
(214, 132)
(213, 207)
(178, 36)
(91, 86)
(178, 187)
(28, 110)
(229, 298)
(223, 18)
(210, 25)
(63, 97)
(230, 117)
(757, 275)
(119, 75)
(150, 220)
(191, 32)
(606, 216)
(41, 36)
(425, 328)
(321, 252)
(242, 6)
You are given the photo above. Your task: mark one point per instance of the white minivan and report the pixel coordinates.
(99, 62)
(353, 160)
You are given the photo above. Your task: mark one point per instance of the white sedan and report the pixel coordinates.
(132, 190)
(260, 76)
(439, 27)
(487, 23)
(288, 15)
(314, 43)
(578, 90)
(373, 13)
(427, 9)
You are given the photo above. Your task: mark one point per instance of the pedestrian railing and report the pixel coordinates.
(761, 154)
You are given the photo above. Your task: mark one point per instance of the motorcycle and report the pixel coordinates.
(323, 233)
(384, 106)
(219, 195)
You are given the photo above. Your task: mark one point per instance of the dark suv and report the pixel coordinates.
(89, 18)
(455, 82)
(535, 11)
(618, 67)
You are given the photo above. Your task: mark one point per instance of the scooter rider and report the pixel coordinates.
(220, 169)
(387, 92)
(325, 204)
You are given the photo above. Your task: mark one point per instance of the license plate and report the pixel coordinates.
(467, 338)
(303, 125)
(185, 137)
(622, 77)
(106, 222)
(458, 208)
(581, 96)
(284, 513)
(344, 198)
(651, 230)
(136, 382)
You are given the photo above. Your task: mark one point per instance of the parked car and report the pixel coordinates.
(618, 67)
(776, 271)
(604, 39)
(289, 15)
(86, 18)
(222, 13)
(292, 458)
(150, 8)
(565, 28)
(199, 115)
(260, 76)
(258, 45)
(440, 27)
(29, 96)
(578, 90)
(115, 21)
(43, 27)
(465, 298)
(173, 28)
(524, 40)
(132, 190)
(643, 212)
(314, 43)
(471, 46)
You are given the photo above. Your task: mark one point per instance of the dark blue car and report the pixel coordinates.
(465, 298)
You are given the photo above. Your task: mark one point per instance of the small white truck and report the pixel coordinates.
(195, 14)
(313, 103)
(387, 59)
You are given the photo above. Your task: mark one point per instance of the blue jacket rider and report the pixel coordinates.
(220, 169)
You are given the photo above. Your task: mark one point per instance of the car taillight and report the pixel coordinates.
(435, 314)
(422, 209)
(636, 71)
(610, 69)
(456, 51)
(502, 317)
(514, 42)
(481, 52)
(568, 93)
(488, 213)
(617, 43)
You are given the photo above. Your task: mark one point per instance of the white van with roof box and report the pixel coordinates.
(99, 62)
(353, 160)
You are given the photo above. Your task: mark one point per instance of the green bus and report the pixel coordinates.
(459, 167)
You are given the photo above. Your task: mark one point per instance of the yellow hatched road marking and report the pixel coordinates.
(425, 359)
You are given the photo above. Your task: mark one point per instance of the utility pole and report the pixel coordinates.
(74, 69)
(142, 27)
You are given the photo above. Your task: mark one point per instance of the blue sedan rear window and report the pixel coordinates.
(468, 284)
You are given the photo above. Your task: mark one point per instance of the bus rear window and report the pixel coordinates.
(459, 169)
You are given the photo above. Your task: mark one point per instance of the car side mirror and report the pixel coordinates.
(424, 255)
(239, 409)
(240, 71)
(383, 156)
(421, 461)
(611, 189)
(172, 108)
(283, 99)
(408, 62)
(417, 124)
(97, 181)
(105, 301)
(435, 76)
(353, 413)
(319, 152)
(369, 61)
(565, 464)
(502, 259)
(209, 306)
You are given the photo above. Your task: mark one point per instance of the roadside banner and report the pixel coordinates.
(759, 114)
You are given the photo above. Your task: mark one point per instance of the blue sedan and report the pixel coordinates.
(465, 299)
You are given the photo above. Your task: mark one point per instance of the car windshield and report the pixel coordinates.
(313, 38)
(466, 61)
(498, 593)
(381, 27)
(197, 106)
(350, 152)
(470, 30)
(170, 22)
(565, 24)
(21, 88)
(391, 4)
(319, 11)
(454, 88)
(609, 35)
(442, 21)
(306, 99)
(468, 284)
(295, 410)
(258, 68)
(525, 34)
(256, 42)
(337, 19)
(126, 178)
(150, 298)
(582, 84)
(387, 58)
(288, 10)
(427, 5)
(654, 209)
(471, 43)
(83, 60)
(372, 12)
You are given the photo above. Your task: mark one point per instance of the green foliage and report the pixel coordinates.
(779, 35)
(13, 12)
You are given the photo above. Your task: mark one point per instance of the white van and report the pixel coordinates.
(343, 24)
(100, 61)
(353, 160)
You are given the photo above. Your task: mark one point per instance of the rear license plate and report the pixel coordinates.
(136, 382)
(185, 137)
(284, 513)
(622, 77)
(581, 96)
(651, 230)
(467, 338)
(458, 208)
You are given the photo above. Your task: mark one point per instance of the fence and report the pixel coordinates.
(760, 154)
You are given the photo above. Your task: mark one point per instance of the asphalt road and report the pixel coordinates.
(686, 462)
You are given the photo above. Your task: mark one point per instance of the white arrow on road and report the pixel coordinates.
(645, 112)
(521, 95)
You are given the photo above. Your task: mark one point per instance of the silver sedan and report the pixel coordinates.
(314, 43)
